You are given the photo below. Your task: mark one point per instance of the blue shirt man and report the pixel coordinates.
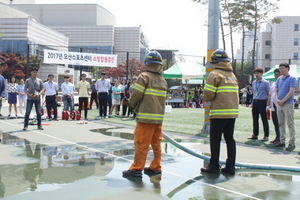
(285, 83)
(285, 89)
(261, 90)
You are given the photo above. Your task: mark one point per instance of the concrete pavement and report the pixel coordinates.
(112, 143)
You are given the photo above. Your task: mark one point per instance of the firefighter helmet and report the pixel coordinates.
(219, 55)
(153, 57)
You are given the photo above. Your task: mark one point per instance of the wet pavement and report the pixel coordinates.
(83, 161)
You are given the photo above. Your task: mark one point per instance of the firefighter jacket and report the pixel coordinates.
(149, 95)
(222, 90)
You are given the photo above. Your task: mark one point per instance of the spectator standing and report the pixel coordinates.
(285, 89)
(51, 90)
(83, 88)
(249, 95)
(109, 99)
(126, 97)
(182, 94)
(22, 98)
(261, 89)
(176, 94)
(131, 93)
(102, 87)
(94, 96)
(12, 95)
(272, 103)
(116, 98)
(148, 100)
(222, 90)
(244, 95)
(34, 88)
(72, 98)
(67, 89)
(197, 90)
(122, 86)
(2, 90)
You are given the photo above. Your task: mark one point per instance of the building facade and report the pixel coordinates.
(91, 28)
(279, 43)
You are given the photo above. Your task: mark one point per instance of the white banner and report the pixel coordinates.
(77, 58)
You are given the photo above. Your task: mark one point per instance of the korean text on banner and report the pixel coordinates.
(78, 58)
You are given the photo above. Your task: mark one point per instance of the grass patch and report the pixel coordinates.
(190, 121)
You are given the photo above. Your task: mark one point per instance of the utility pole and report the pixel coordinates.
(212, 45)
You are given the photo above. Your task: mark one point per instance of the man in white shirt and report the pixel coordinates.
(83, 88)
(102, 87)
(67, 89)
(51, 89)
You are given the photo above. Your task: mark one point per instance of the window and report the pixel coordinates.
(268, 43)
(295, 56)
(296, 27)
(296, 41)
(267, 69)
(267, 56)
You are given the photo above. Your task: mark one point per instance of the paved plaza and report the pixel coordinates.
(73, 160)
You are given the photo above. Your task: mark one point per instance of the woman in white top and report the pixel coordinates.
(22, 97)
(12, 95)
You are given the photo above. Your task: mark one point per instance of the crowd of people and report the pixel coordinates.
(137, 96)
(190, 100)
(280, 98)
(106, 95)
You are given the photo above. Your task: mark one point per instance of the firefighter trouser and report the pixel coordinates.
(144, 135)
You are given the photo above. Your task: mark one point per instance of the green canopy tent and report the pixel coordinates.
(185, 70)
(294, 71)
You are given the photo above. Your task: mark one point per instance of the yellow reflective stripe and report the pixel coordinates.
(150, 116)
(224, 112)
(210, 88)
(233, 87)
(227, 89)
(139, 87)
(156, 92)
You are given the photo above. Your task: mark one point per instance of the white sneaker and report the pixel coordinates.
(99, 117)
(106, 117)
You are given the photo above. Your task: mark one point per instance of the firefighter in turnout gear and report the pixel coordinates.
(222, 90)
(148, 102)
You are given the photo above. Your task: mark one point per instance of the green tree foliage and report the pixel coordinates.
(164, 64)
(259, 10)
(35, 61)
(95, 72)
(246, 73)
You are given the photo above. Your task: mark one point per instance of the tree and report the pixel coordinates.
(11, 66)
(135, 67)
(35, 61)
(95, 72)
(164, 64)
(260, 10)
